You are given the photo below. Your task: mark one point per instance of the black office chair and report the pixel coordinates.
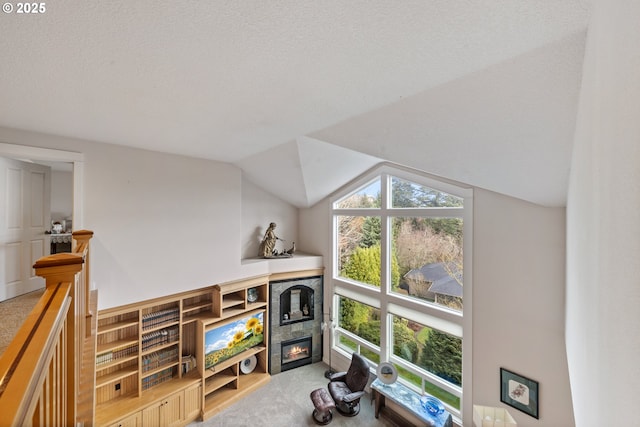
(346, 388)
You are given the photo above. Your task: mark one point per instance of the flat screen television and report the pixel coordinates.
(225, 341)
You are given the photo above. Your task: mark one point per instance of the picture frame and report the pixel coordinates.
(519, 392)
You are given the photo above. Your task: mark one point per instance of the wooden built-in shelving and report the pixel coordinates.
(140, 353)
(143, 351)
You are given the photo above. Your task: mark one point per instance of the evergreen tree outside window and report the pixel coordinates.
(399, 277)
(359, 249)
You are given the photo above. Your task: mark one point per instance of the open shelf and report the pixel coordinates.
(116, 376)
(160, 316)
(104, 366)
(113, 327)
(102, 348)
(160, 327)
(160, 359)
(188, 308)
(214, 382)
(223, 397)
(159, 369)
(234, 360)
(195, 317)
(233, 300)
(159, 347)
(160, 338)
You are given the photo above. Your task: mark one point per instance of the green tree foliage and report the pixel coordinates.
(359, 200)
(442, 355)
(395, 271)
(353, 314)
(371, 230)
(370, 331)
(407, 194)
(405, 344)
(403, 194)
(447, 226)
(364, 266)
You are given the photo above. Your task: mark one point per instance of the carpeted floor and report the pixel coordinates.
(13, 312)
(285, 401)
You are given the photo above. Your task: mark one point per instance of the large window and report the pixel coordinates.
(399, 277)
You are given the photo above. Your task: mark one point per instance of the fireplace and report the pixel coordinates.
(295, 314)
(296, 353)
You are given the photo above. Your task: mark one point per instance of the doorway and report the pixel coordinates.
(25, 193)
(18, 255)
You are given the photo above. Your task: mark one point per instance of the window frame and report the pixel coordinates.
(394, 304)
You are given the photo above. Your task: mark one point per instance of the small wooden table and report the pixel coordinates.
(408, 400)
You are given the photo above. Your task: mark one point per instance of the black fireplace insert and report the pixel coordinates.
(296, 353)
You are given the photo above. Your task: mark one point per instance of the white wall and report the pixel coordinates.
(518, 303)
(259, 208)
(603, 292)
(315, 229)
(61, 195)
(162, 223)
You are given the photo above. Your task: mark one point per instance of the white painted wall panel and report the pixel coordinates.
(603, 319)
(518, 303)
(163, 223)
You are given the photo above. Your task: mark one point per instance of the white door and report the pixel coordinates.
(25, 214)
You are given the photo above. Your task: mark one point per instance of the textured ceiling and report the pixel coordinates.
(480, 92)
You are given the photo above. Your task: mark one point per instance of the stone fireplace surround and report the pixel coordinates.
(291, 331)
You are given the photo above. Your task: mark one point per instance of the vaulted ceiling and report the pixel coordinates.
(305, 95)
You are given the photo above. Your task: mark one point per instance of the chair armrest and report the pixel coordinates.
(351, 397)
(338, 376)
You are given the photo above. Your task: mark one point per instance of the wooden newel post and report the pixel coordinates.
(82, 238)
(58, 268)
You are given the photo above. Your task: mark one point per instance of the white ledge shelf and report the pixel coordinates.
(299, 261)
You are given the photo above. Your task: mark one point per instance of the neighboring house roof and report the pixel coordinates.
(438, 274)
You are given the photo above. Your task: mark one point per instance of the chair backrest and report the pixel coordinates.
(358, 373)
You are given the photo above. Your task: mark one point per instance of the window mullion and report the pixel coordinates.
(386, 348)
(427, 212)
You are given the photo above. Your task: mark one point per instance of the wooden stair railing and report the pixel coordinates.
(40, 370)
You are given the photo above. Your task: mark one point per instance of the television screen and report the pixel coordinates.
(225, 341)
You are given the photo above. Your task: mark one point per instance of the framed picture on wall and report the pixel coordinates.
(519, 392)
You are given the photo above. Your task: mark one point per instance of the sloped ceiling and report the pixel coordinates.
(305, 95)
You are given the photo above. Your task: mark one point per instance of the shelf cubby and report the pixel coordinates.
(196, 307)
(116, 375)
(154, 318)
(159, 338)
